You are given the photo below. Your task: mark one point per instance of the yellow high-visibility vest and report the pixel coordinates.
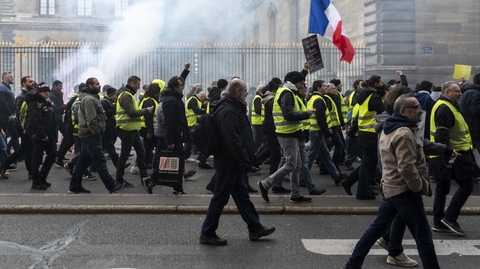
(283, 126)
(460, 138)
(257, 119)
(343, 107)
(142, 118)
(306, 122)
(334, 115)
(366, 118)
(313, 118)
(124, 121)
(190, 114)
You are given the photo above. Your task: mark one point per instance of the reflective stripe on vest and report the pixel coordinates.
(366, 118)
(334, 115)
(306, 122)
(257, 119)
(313, 118)
(460, 138)
(190, 114)
(283, 126)
(142, 118)
(124, 121)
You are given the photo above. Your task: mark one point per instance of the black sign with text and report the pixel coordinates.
(312, 53)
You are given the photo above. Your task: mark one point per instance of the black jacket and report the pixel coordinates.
(110, 110)
(470, 108)
(176, 128)
(237, 139)
(56, 97)
(40, 121)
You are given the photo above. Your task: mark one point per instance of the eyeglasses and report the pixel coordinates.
(415, 107)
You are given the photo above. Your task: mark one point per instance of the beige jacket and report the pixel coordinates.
(403, 161)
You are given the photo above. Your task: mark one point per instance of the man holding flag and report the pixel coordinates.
(326, 21)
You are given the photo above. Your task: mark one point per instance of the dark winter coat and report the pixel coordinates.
(176, 128)
(237, 138)
(470, 108)
(110, 130)
(56, 97)
(40, 120)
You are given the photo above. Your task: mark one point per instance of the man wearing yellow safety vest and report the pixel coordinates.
(320, 131)
(194, 108)
(337, 123)
(288, 118)
(350, 101)
(447, 126)
(128, 126)
(370, 104)
(257, 111)
(150, 98)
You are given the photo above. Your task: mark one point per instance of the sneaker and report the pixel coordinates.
(117, 187)
(69, 171)
(300, 199)
(214, 240)
(402, 260)
(264, 231)
(127, 184)
(148, 184)
(281, 189)
(78, 190)
(453, 226)
(89, 176)
(190, 160)
(263, 191)
(317, 192)
(381, 242)
(12, 168)
(441, 228)
(134, 170)
(189, 174)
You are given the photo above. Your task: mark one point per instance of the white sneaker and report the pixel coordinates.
(381, 242)
(190, 160)
(134, 170)
(402, 260)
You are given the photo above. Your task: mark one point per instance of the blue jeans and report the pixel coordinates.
(366, 172)
(409, 206)
(318, 147)
(92, 152)
(130, 139)
(230, 182)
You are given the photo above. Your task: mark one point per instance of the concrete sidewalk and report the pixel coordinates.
(18, 203)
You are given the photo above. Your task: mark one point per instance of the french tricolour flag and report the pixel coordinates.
(326, 21)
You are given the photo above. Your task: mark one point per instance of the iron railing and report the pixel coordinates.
(73, 62)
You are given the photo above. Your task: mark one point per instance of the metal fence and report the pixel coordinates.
(73, 63)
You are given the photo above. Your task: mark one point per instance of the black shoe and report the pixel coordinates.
(346, 187)
(317, 192)
(12, 168)
(69, 171)
(205, 166)
(127, 184)
(117, 187)
(89, 176)
(148, 184)
(264, 231)
(78, 190)
(48, 184)
(263, 191)
(59, 163)
(441, 228)
(302, 184)
(189, 174)
(370, 197)
(214, 240)
(300, 199)
(281, 189)
(127, 165)
(251, 189)
(338, 180)
(210, 188)
(453, 226)
(39, 187)
(255, 170)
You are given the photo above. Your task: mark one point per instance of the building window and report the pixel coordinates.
(120, 7)
(47, 7)
(84, 7)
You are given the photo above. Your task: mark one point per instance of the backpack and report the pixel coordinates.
(205, 134)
